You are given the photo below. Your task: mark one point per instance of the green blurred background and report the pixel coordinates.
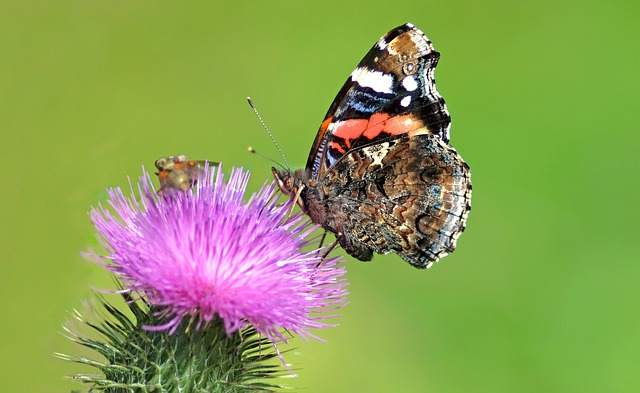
(542, 293)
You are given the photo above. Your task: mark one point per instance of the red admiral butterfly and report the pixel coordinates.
(381, 174)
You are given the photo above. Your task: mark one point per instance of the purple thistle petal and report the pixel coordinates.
(204, 252)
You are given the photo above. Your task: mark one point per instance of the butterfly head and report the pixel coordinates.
(291, 184)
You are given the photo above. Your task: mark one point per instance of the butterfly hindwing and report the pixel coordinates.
(410, 195)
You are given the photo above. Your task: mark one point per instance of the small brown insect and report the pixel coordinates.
(178, 172)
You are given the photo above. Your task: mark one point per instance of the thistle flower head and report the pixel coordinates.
(204, 253)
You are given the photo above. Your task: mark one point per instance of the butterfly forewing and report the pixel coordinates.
(391, 92)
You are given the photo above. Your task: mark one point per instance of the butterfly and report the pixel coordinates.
(381, 174)
(178, 172)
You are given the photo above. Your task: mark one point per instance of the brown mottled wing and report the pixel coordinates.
(410, 195)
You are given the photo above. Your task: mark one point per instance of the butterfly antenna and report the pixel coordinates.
(255, 110)
(251, 150)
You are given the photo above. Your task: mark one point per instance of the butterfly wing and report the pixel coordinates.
(410, 195)
(390, 93)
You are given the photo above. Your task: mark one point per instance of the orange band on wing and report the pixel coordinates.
(325, 124)
(401, 125)
(336, 146)
(376, 125)
(353, 129)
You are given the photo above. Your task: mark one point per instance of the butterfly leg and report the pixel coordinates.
(324, 235)
(296, 198)
(326, 253)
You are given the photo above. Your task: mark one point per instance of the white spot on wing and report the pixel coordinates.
(377, 153)
(406, 101)
(410, 83)
(377, 80)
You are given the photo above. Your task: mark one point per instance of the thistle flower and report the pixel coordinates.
(204, 252)
(209, 280)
